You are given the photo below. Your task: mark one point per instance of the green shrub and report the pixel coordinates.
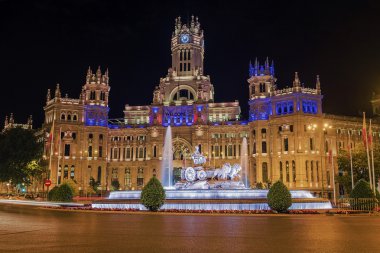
(362, 196)
(279, 198)
(115, 185)
(64, 193)
(52, 193)
(153, 195)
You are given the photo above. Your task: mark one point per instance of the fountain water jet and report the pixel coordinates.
(167, 160)
(244, 161)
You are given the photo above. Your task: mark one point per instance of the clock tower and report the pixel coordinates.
(187, 47)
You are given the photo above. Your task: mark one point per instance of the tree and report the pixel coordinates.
(18, 149)
(115, 185)
(279, 197)
(153, 194)
(359, 166)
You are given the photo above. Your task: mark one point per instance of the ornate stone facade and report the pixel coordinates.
(289, 137)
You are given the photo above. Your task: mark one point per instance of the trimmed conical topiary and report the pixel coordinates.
(153, 194)
(279, 198)
(362, 189)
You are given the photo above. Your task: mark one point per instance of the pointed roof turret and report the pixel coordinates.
(48, 96)
(296, 82)
(11, 119)
(251, 69)
(6, 122)
(30, 121)
(272, 68)
(57, 91)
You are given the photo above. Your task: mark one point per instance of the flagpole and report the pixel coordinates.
(59, 153)
(349, 147)
(373, 164)
(365, 138)
(333, 173)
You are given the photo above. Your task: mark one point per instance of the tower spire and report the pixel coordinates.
(251, 70)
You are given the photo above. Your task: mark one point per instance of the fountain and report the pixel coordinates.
(244, 161)
(167, 160)
(202, 188)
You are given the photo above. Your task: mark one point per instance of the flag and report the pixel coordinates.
(364, 131)
(370, 135)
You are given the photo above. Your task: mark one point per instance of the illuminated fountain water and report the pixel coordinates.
(167, 160)
(244, 161)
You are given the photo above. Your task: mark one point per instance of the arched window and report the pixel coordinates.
(141, 152)
(265, 172)
(307, 170)
(115, 174)
(66, 172)
(69, 116)
(294, 171)
(317, 168)
(287, 171)
(140, 177)
(312, 170)
(75, 117)
(281, 172)
(63, 116)
(264, 133)
(59, 174)
(72, 172)
(100, 174)
(92, 95)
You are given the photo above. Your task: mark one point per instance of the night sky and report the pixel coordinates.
(43, 43)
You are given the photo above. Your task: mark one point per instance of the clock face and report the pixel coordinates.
(185, 38)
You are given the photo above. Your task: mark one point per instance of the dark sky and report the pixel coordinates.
(45, 42)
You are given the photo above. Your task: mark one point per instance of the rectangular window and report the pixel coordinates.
(100, 151)
(155, 151)
(311, 144)
(67, 149)
(286, 144)
(89, 151)
(264, 147)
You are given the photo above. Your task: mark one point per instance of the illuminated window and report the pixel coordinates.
(140, 177)
(72, 172)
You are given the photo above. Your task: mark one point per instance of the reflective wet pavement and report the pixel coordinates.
(32, 229)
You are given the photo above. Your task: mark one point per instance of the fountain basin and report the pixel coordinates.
(244, 199)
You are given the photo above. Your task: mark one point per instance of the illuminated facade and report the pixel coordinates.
(288, 135)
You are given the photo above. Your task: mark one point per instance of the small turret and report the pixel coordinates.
(30, 122)
(11, 119)
(48, 96)
(318, 85)
(6, 122)
(296, 83)
(57, 92)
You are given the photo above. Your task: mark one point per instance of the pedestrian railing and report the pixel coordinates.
(358, 204)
